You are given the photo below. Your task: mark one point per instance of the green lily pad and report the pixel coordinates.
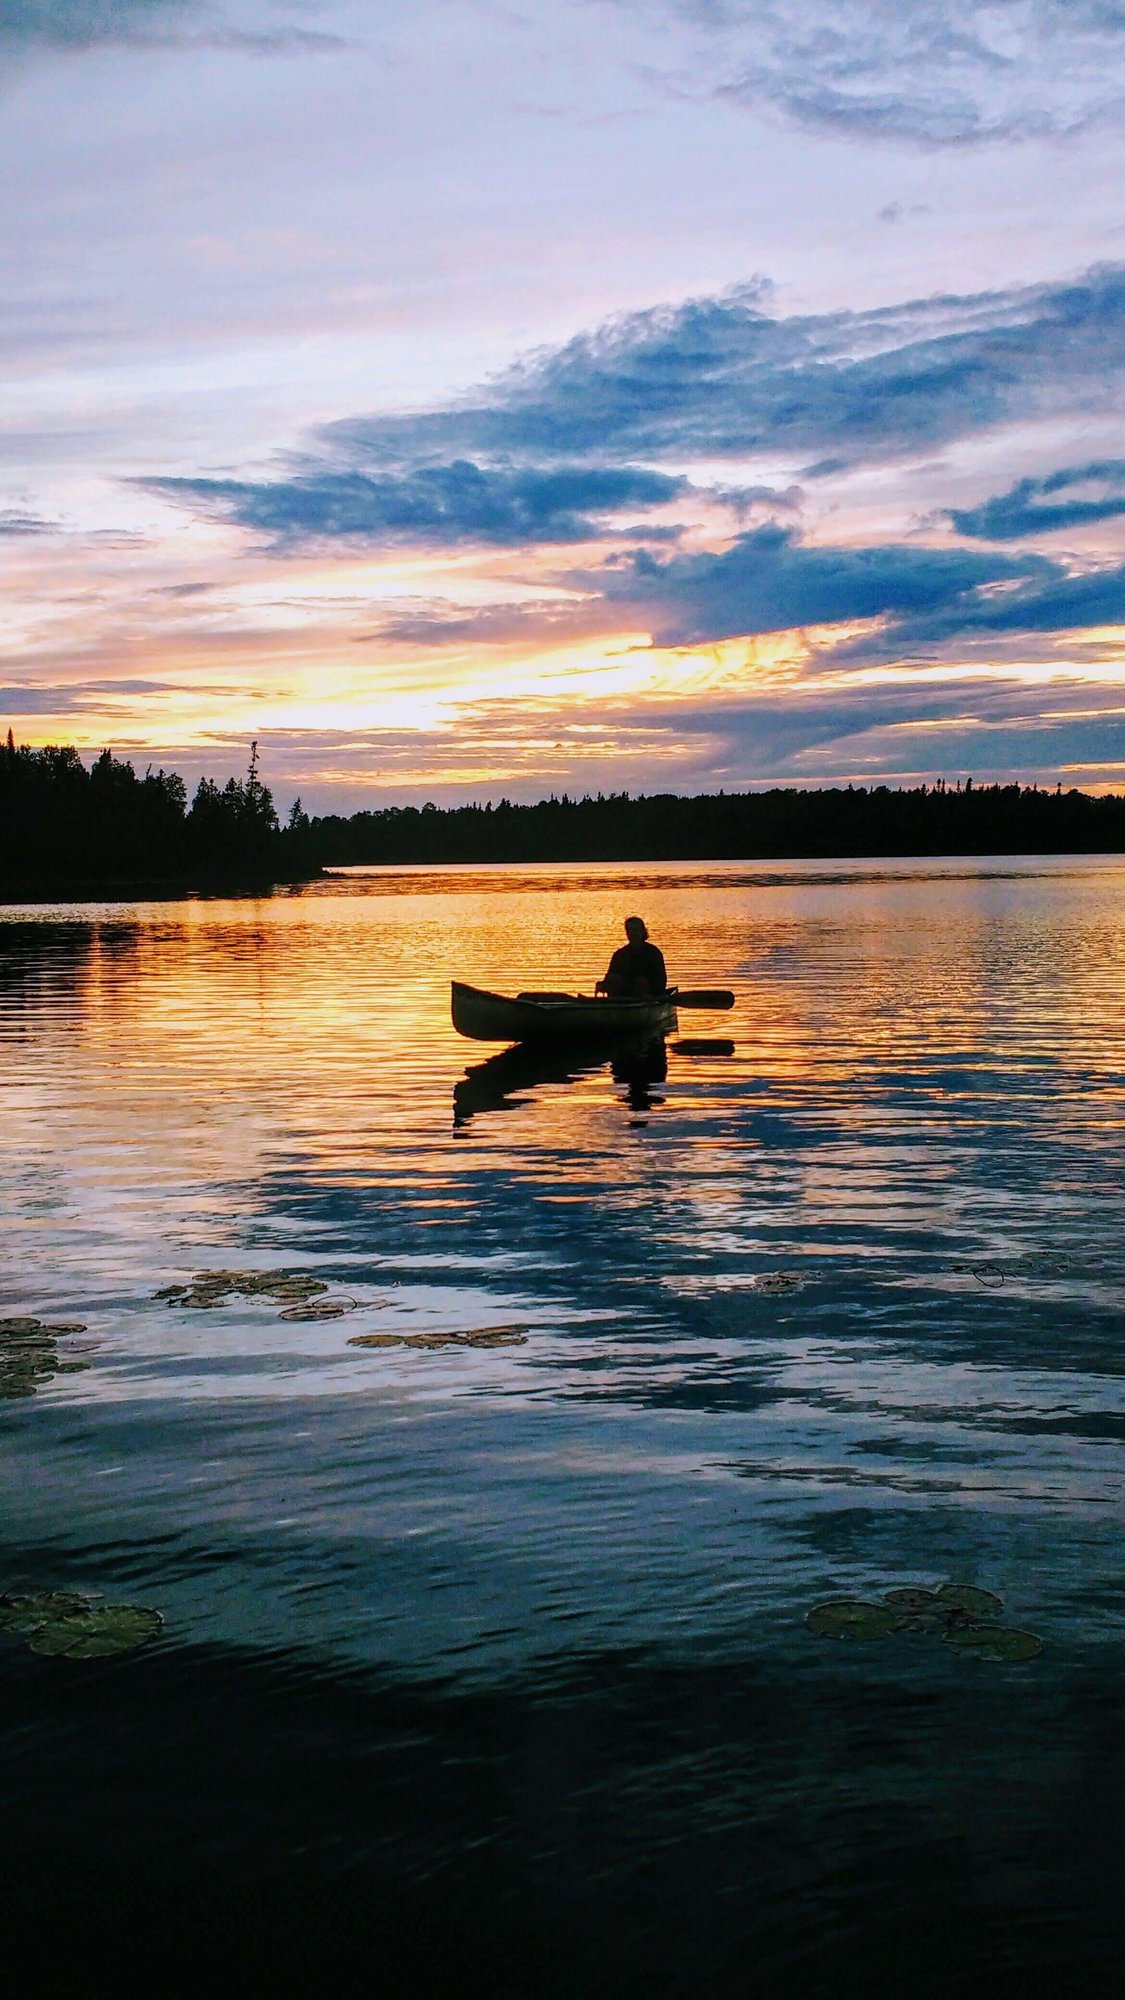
(95, 1633)
(979, 1604)
(320, 1309)
(27, 1611)
(17, 1332)
(911, 1597)
(777, 1281)
(481, 1336)
(850, 1618)
(1002, 1643)
(29, 1353)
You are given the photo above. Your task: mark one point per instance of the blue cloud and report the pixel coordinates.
(85, 24)
(723, 377)
(81, 23)
(767, 581)
(1029, 507)
(437, 505)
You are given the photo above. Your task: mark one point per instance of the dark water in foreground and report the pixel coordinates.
(485, 1669)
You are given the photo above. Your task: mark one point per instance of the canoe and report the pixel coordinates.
(558, 1017)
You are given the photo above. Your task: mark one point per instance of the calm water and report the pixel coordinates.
(486, 1668)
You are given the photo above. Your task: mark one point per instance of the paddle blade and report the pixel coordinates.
(718, 997)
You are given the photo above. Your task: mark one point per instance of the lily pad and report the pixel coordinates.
(777, 1281)
(27, 1611)
(209, 1289)
(850, 1618)
(1002, 1643)
(482, 1336)
(979, 1604)
(97, 1632)
(919, 1610)
(320, 1309)
(29, 1353)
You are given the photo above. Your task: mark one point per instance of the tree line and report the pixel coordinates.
(65, 824)
(729, 826)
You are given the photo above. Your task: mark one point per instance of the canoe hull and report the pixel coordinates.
(496, 1017)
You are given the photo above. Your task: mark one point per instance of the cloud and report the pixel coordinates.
(78, 697)
(933, 73)
(440, 506)
(85, 24)
(768, 581)
(1028, 508)
(12, 523)
(723, 377)
(78, 24)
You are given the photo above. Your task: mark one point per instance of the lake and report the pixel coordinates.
(484, 1662)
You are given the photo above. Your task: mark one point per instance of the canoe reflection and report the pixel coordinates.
(498, 1083)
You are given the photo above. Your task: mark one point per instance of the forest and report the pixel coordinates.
(66, 825)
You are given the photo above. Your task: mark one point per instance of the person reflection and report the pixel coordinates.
(640, 1067)
(636, 971)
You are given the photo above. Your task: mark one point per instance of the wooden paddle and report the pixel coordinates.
(719, 997)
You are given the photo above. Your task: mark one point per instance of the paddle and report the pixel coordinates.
(718, 997)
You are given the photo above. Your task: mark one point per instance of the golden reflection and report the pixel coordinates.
(305, 1041)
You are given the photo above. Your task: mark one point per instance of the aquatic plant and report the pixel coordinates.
(777, 1281)
(71, 1625)
(961, 1614)
(482, 1336)
(29, 1354)
(209, 1289)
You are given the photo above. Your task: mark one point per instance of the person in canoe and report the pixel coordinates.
(636, 970)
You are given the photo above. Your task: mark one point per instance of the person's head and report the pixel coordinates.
(636, 930)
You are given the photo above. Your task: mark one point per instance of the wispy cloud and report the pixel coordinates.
(86, 24)
(439, 506)
(13, 522)
(769, 582)
(934, 73)
(1031, 507)
(725, 377)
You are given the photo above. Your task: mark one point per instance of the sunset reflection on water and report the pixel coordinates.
(838, 1310)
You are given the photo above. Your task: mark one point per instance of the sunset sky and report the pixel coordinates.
(470, 399)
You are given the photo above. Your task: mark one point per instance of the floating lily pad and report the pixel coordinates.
(1001, 1643)
(320, 1309)
(777, 1281)
(979, 1604)
(482, 1336)
(29, 1353)
(210, 1289)
(26, 1611)
(919, 1610)
(850, 1618)
(96, 1632)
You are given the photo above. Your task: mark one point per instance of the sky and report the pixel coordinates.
(479, 400)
